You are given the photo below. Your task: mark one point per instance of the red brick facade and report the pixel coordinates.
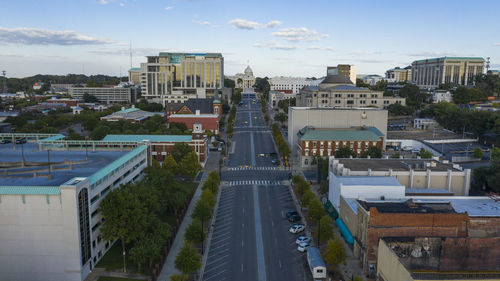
(210, 122)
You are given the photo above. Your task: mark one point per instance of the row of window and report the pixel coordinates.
(337, 143)
(330, 152)
(326, 95)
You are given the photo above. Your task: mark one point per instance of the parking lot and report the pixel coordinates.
(459, 149)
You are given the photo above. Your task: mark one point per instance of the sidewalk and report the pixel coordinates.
(169, 265)
(98, 272)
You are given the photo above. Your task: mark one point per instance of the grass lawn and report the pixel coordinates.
(105, 278)
(113, 259)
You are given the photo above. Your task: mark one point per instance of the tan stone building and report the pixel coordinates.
(399, 74)
(339, 91)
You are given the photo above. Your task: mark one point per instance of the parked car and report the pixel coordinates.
(291, 213)
(4, 141)
(406, 148)
(21, 140)
(294, 218)
(275, 161)
(302, 239)
(303, 246)
(296, 228)
(415, 150)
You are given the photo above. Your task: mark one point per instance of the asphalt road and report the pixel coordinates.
(251, 239)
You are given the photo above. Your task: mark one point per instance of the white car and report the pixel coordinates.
(303, 246)
(296, 228)
(302, 239)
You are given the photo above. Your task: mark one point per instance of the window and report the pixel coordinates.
(374, 102)
(306, 161)
(350, 102)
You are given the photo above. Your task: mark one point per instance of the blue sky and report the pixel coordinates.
(290, 38)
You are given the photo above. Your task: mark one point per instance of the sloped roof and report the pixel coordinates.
(203, 105)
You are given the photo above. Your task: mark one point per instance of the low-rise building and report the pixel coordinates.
(321, 142)
(291, 85)
(418, 175)
(105, 94)
(300, 117)
(276, 96)
(339, 91)
(442, 95)
(438, 258)
(134, 115)
(424, 123)
(208, 121)
(162, 145)
(372, 79)
(68, 102)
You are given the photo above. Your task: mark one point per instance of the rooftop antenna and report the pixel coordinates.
(4, 81)
(487, 64)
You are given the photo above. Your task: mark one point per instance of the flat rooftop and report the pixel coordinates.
(363, 164)
(368, 180)
(36, 161)
(408, 206)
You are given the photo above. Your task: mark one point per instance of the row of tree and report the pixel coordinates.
(282, 145)
(230, 121)
(137, 213)
(286, 103)
(488, 177)
(188, 260)
(334, 251)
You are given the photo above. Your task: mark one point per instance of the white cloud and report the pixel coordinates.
(496, 44)
(295, 34)
(203, 22)
(122, 4)
(37, 36)
(250, 25)
(275, 46)
(103, 2)
(126, 51)
(320, 48)
(365, 53)
(169, 8)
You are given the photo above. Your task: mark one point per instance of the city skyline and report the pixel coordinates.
(275, 38)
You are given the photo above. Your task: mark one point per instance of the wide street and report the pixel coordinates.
(250, 238)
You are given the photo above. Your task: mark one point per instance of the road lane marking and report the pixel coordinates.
(261, 263)
(279, 262)
(241, 267)
(242, 243)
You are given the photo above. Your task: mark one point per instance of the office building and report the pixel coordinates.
(430, 73)
(49, 215)
(339, 91)
(177, 77)
(300, 117)
(399, 74)
(105, 95)
(134, 75)
(134, 115)
(321, 142)
(291, 85)
(346, 70)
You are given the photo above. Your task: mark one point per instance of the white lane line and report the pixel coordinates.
(242, 243)
(220, 272)
(279, 262)
(241, 267)
(217, 259)
(242, 225)
(217, 266)
(221, 240)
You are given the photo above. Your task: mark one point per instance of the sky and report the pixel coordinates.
(275, 37)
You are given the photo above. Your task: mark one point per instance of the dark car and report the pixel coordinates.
(4, 141)
(20, 141)
(291, 213)
(275, 161)
(294, 218)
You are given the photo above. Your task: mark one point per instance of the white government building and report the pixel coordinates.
(244, 80)
(293, 84)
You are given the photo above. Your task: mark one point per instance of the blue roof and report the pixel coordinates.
(30, 190)
(135, 69)
(116, 164)
(152, 138)
(368, 180)
(128, 110)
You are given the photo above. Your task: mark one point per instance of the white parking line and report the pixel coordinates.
(217, 259)
(217, 266)
(221, 240)
(214, 275)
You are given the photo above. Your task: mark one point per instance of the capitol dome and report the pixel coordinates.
(248, 71)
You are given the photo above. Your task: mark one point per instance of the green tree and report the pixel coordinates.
(89, 98)
(334, 253)
(188, 260)
(361, 83)
(125, 217)
(461, 95)
(281, 117)
(179, 277)
(396, 155)
(169, 164)
(99, 132)
(324, 187)
(193, 231)
(478, 153)
(325, 228)
(316, 210)
(189, 166)
(307, 198)
(425, 154)
(229, 83)
(344, 152)
(202, 210)
(208, 197)
(180, 150)
(480, 177)
(302, 187)
(373, 152)
(138, 254)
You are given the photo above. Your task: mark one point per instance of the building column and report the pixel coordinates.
(467, 182)
(411, 179)
(428, 178)
(448, 179)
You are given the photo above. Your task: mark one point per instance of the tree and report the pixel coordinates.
(344, 152)
(229, 83)
(89, 98)
(281, 117)
(478, 153)
(202, 210)
(480, 177)
(188, 260)
(212, 182)
(425, 154)
(373, 152)
(179, 277)
(180, 150)
(125, 217)
(396, 155)
(138, 254)
(461, 95)
(169, 164)
(380, 85)
(334, 253)
(325, 230)
(193, 231)
(316, 210)
(324, 187)
(208, 197)
(307, 198)
(414, 98)
(189, 166)
(360, 83)
(397, 109)
(302, 186)
(99, 132)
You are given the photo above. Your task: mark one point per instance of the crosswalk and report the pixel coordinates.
(252, 168)
(252, 182)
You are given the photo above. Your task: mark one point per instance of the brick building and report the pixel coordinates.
(162, 145)
(326, 141)
(208, 121)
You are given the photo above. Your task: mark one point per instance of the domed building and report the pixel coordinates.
(244, 80)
